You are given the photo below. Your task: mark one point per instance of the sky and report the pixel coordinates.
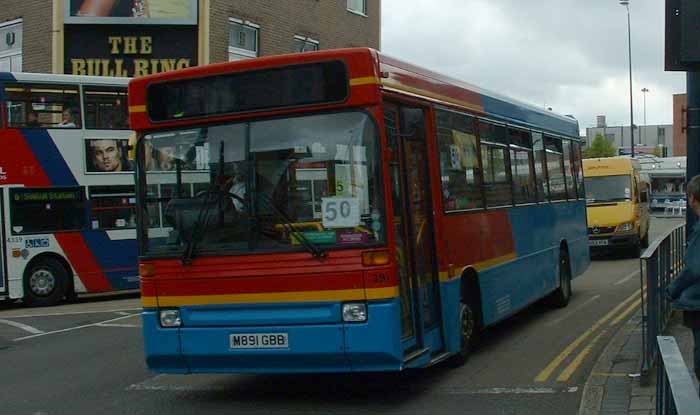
(569, 55)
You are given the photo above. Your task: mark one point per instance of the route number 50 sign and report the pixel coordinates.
(340, 212)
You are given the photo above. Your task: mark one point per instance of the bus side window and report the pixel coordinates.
(43, 106)
(459, 162)
(105, 108)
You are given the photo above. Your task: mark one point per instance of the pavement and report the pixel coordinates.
(614, 384)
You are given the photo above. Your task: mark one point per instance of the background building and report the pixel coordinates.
(647, 139)
(138, 37)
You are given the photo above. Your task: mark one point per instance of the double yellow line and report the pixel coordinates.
(615, 316)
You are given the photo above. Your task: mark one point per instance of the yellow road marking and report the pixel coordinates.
(627, 312)
(554, 364)
(576, 363)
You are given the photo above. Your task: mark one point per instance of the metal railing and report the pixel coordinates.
(675, 391)
(659, 264)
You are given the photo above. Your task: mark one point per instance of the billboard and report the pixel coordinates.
(128, 50)
(131, 12)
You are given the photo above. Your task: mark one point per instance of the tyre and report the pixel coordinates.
(561, 296)
(45, 283)
(468, 329)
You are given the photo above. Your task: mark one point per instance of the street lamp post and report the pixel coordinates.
(644, 92)
(626, 3)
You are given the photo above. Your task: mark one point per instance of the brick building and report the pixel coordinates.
(137, 37)
(680, 134)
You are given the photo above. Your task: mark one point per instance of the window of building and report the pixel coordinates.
(47, 210)
(459, 162)
(497, 182)
(11, 46)
(358, 6)
(521, 163)
(555, 168)
(106, 108)
(540, 167)
(305, 44)
(662, 135)
(569, 170)
(112, 207)
(610, 137)
(243, 40)
(43, 106)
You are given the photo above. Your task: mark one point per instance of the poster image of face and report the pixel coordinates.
(129, 11)
(107, 155)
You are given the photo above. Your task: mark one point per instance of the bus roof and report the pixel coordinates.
(369, 72)
(64, 79)
(609, 166)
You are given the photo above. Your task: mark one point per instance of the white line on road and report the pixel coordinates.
(76, 328)
(573, 312)
(119, 325)
(71, 313)
(21, 326)
(153, 385)
(627, 278)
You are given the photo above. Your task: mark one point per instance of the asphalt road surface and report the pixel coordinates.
(87, 358)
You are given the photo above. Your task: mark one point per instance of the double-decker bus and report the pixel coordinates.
(67, 200)
(345, 211)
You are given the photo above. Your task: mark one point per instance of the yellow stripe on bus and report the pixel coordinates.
(367, 80)
(137, 108)
(479, 266)
(281, 297)
(439, 97)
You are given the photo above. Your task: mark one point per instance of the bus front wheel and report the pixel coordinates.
(468, 332)
(45, 283)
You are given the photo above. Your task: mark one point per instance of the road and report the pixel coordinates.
(87, 358)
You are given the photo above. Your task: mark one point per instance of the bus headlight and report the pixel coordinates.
(170, 318)
(354, 312)
(625, 227)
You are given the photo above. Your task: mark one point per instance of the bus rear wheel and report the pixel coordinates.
(561, 296)
(45, 283)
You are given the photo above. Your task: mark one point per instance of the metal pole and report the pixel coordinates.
(644, 93)
(629, 47)
(693, 161)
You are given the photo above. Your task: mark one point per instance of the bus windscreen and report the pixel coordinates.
(268, 89)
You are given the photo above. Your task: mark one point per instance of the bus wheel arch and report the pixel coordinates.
(47, 279)
(469, 314)
(561, 296)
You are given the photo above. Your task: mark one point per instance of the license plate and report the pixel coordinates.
(259, 341)
(598, 242)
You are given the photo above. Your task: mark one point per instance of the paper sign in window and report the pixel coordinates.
(340, 212)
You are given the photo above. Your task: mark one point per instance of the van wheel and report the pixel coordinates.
(561, 296)
(468, 331)
(45, 283)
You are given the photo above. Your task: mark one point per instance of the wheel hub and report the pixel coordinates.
(42, 282)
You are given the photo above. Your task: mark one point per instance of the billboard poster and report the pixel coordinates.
(128, 51)
(160, 12)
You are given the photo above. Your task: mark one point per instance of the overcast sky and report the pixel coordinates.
(565, 54)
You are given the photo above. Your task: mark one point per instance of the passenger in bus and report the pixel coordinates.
(33, 120)
(685, 289)
(106, 156)
(67, 121)
(151, 157)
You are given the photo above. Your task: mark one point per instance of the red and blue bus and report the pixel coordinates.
(345, 211)
(67, 199)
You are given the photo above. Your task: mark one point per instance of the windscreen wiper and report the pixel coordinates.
(201, 215)
(315, 250)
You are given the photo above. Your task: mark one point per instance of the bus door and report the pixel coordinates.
(413, 227)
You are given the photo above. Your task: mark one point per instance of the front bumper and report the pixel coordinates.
(338, 347)
(600, 242)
